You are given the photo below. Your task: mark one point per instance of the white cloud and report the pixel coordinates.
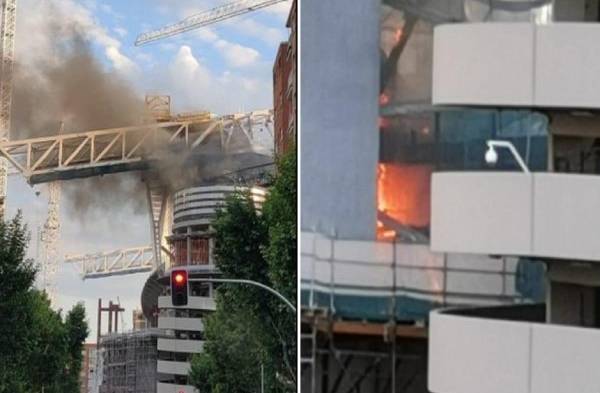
(237, 55)
(281, 9)
(121, 62)
(41, 20)
(186, 70)
(122, 32)
(144, 57)
(207, 34)
(250, 84)
(107, 9)
(270, 35)
(194, 87)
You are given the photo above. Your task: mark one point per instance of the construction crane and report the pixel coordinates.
(50, 237)
(7, 48)
(117, 262)
(205, 18)
(51, 231)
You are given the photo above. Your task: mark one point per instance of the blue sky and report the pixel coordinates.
(240, 50)
(223, 68)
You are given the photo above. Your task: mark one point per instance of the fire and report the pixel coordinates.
(384, 122)
(384, 99)
(403, 194)
(398, 35)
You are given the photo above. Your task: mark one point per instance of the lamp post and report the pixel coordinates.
(248, 282)
(491, 156)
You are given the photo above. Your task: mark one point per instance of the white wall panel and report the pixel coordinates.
(565, 359)
(168, 367)
(480, 212)
(543, 214)
(472, 355)
(566, 65)
(567, 216)
(483, 64)
(517, 64)
(193, 324)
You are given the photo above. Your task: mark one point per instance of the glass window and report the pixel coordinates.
(415, 145)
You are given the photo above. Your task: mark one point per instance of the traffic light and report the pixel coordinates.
(179, 287)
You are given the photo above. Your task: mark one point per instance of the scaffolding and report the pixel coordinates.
(129, 361)
(365, 306)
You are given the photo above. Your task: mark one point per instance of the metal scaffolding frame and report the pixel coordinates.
(325, 337)
(339, 354)
(129, 361)
(342, 356)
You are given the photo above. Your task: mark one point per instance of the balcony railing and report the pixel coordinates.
(364, 279)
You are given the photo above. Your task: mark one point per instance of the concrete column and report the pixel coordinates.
(339, 112)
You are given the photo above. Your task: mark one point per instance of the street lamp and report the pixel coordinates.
(491, 155)
(248, 282)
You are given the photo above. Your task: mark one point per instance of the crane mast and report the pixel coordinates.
(50, 237)
(7, 46)
(205, 18)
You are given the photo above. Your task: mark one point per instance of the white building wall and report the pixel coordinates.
(478, 355)
(517, 64)
(171, 388)
(194, 324)
(552, 215)
(180, 346)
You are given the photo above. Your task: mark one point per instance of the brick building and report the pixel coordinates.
(284, 88)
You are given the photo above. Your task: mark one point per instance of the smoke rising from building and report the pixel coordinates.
(68, 85)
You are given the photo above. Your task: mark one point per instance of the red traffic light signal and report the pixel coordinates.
(179, 287)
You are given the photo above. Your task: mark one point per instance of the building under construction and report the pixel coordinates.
(129, 361)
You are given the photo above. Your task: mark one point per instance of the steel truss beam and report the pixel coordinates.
(114, 263)
(205, 18)
(92, 153)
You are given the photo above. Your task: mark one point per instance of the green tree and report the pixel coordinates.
(47, 356)
(77, 331)
(280, 215)
(17, 276)
(250, 327)
(36, 345)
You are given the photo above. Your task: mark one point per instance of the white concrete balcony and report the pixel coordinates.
(541, 215)
(162, 387)
(174, 323)
(517, 64)
(194, 303)
(171, 367)
(469, 353)
(175, 345)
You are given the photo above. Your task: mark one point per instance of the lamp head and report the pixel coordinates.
(491, 155)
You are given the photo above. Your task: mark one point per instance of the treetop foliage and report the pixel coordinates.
(251, 327)
(38, 349)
